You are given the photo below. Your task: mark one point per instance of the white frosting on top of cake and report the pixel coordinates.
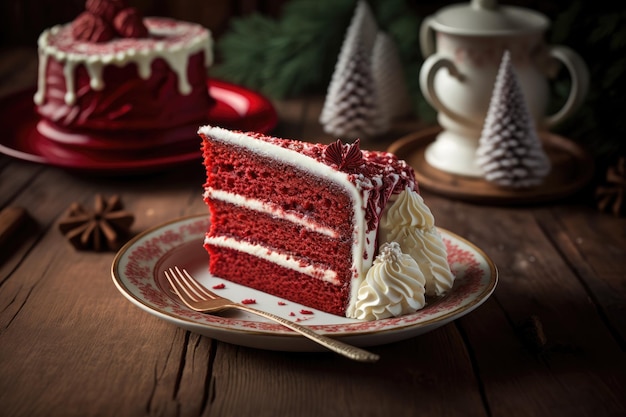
(171, 40)
(394, 286)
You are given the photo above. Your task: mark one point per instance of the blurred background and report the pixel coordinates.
(244, 31)
(21, 21)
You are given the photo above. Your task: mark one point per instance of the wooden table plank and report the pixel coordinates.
(594, 246)
(253, 382)
(65, 301)
(14, 177)
(535, 282)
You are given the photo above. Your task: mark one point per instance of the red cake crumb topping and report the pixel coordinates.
(248, 301)
(219, 286)
(91, 28)
(282, 303)
(306, 312)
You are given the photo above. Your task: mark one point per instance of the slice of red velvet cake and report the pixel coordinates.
(300, 220)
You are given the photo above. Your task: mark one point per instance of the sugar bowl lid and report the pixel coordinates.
(486, 17)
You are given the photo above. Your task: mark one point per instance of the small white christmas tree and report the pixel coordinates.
(353, 111)
(352, 108)
(389, 77)
(509, 150)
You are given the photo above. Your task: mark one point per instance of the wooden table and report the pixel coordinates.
(549, 342)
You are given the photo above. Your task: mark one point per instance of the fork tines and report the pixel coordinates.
(182, 280)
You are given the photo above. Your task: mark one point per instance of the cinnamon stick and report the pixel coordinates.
(11, 218)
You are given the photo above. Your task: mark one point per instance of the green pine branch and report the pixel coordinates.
(286, 57)
(297, 53)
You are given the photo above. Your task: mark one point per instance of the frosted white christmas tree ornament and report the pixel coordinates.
(389, 77)
(509, 150)
(352, 108)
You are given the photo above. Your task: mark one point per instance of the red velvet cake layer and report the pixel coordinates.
(265, 276)
(285, 237)
(245, 173)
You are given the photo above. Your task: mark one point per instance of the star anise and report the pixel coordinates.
(345, 157)
(611, 196)
(105, 227)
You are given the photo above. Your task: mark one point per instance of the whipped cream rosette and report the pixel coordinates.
(410, 222)
(394, 285)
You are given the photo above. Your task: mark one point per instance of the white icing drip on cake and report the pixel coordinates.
(170, 40)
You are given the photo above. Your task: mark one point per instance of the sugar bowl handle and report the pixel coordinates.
(431, 66)
(427, 38)
(579, 75)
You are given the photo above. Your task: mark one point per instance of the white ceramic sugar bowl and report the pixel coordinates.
(463, 45)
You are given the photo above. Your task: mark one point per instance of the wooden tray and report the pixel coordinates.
(572, 168)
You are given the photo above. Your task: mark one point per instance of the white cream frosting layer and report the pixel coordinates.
(277, 258)
(120, 52)
(394, 286)
(270, 209)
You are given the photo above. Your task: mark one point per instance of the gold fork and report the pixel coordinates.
(198, 298)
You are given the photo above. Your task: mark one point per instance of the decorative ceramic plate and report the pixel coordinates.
(235, 108)
(137, 271)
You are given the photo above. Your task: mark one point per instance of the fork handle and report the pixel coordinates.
(335, 345)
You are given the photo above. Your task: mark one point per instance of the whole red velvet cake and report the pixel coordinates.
(332, 227)
(112, 73)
